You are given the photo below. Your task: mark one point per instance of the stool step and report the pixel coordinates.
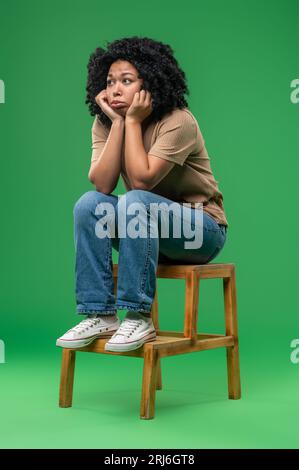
(168, 343)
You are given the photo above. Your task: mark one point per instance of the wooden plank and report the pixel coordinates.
(232, 354)
(180, 334)
(191, 305)
(98, 346)
(148, 394)
(155, 318)
(67, 378)
(188, 346)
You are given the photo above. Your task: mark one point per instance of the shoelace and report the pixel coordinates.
(128, 327)
(85, 324)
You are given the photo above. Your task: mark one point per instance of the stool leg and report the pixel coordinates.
(115, 285)
(67, 378)
(156, 325)
(191, 305)
(232, 352)
(159, 375)
(147, 408)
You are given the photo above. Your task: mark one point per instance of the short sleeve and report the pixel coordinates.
(176, 137)
(99, 136)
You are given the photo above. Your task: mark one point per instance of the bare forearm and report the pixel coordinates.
(136, 159)
(104, 173)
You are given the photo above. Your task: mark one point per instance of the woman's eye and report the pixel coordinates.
(125, 79)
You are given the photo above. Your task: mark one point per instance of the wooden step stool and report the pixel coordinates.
(170, 343)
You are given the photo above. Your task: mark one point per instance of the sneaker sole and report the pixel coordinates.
(81, 343)
(122, 347)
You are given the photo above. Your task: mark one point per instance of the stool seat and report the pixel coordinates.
(170, 343)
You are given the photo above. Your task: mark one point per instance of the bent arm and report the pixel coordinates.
(144, 170)
(105, 171)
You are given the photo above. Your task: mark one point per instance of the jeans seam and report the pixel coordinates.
(136, 308)
(216, 252)
(146, 264)
(96, 311)
(108, 259)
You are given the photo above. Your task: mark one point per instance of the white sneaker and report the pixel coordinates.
(134, 331)
(88, 330)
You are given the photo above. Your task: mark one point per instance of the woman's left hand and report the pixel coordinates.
(141, 107)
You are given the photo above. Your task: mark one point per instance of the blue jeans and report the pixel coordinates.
(138, 257)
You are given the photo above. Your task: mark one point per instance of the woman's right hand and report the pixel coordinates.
(102, 102)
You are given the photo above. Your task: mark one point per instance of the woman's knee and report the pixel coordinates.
(87, 203)
(134, 195)
(130, 202)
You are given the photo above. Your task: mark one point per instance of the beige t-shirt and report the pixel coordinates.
(177, 138)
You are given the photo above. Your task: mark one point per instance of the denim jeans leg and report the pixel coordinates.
(213, 236)
(138, 257)
(93, 265)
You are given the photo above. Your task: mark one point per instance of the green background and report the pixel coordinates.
(239, 59)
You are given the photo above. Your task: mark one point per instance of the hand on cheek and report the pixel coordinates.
(141, 106)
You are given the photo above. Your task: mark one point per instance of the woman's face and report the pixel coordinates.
(122, 84)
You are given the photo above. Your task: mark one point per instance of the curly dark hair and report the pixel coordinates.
(156, 65)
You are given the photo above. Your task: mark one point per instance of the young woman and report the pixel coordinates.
(144, 132)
